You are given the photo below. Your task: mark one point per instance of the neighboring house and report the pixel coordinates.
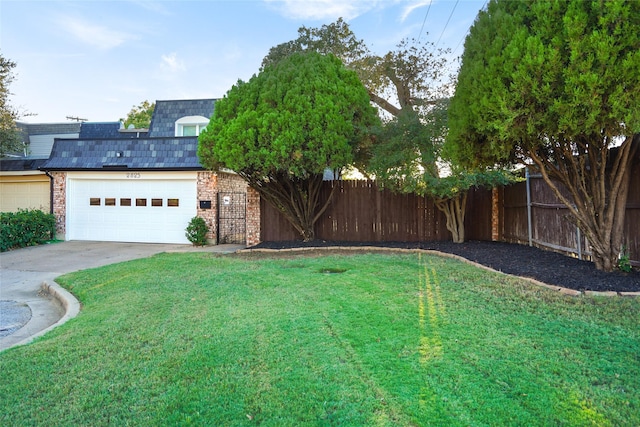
(147, 188)
(22, 185)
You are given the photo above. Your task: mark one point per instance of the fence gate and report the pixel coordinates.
(232, 213)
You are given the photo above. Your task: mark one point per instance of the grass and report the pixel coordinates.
(346, 339)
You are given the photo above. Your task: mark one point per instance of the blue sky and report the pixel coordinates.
(97, 59)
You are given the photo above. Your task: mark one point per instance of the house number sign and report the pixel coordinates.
(134, 175)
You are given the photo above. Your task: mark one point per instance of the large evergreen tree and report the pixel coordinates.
(285, 126)
(556, 84)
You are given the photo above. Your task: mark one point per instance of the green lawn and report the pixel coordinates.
(395, 339)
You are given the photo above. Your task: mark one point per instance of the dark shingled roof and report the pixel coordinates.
(94, 130)
(13, 165)
(124, 153)
(52, 128)
(108, 130)
(166, 113)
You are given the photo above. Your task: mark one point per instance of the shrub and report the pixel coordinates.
(197, 231)
(624, 262)
(25, 228)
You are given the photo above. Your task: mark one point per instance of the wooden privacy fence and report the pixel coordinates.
(532, 214)
(360, 212)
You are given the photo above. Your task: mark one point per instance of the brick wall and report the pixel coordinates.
(60, 203)
(207, 190)
(230, 182)
(495, 215)
(253, 217)
(210, 184)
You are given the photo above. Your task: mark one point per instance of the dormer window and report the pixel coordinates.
(191, 125)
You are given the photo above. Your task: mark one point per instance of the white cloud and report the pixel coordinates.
(322, 9)
(172, 64)
(153, 6)
(408, 9)
(93, 34)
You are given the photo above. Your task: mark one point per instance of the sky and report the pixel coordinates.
(96, 60)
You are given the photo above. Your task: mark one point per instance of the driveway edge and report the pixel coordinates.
(68, 302)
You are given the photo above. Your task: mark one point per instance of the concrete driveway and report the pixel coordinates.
(31, 303)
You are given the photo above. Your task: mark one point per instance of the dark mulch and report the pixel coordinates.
(521, 260)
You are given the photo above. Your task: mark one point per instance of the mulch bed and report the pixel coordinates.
(521, 260)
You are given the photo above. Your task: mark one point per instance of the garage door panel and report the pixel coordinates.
(134, 223)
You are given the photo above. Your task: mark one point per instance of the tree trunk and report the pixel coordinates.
(597, 180)
(454, 211)
(298, 199)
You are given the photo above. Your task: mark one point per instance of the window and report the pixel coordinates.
(94, 201)
(141, 202)
(173, 203)
(189, 130)
(125, 202)
(191, 125)
(110, 201)
(156, 202)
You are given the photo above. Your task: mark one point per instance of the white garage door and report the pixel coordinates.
(130, 207)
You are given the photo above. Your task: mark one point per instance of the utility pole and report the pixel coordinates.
(77, 119)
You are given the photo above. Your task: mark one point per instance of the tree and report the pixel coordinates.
(285, 126)
(409, 84)
(557, 85)
(140, 116)
(409, 156)
(10, 141)
(407, 77)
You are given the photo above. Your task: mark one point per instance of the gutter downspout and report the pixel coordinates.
(50, 191)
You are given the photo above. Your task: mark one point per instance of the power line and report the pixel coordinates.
(445, 25)
(467, 33)
(425, 19)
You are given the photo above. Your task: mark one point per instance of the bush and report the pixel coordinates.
(197, 231)
(25, 228)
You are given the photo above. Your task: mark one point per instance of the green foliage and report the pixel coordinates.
(544, 77)
(411, 72)
(140, 116)
(197, 231)
(10, 141)
(624, 261)
(335, 38)
(302, 115)
(411, 156)
(25, 228)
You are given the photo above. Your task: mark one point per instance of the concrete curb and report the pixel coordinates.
(560, 289)
(70, 304)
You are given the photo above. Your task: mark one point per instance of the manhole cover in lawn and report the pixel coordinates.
(13, 316)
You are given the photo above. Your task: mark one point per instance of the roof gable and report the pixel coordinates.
(166, 113)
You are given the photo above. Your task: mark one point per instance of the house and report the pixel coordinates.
(22, 184)
(147, 188)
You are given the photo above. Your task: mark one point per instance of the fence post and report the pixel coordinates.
(529, 226)
(579, 238)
